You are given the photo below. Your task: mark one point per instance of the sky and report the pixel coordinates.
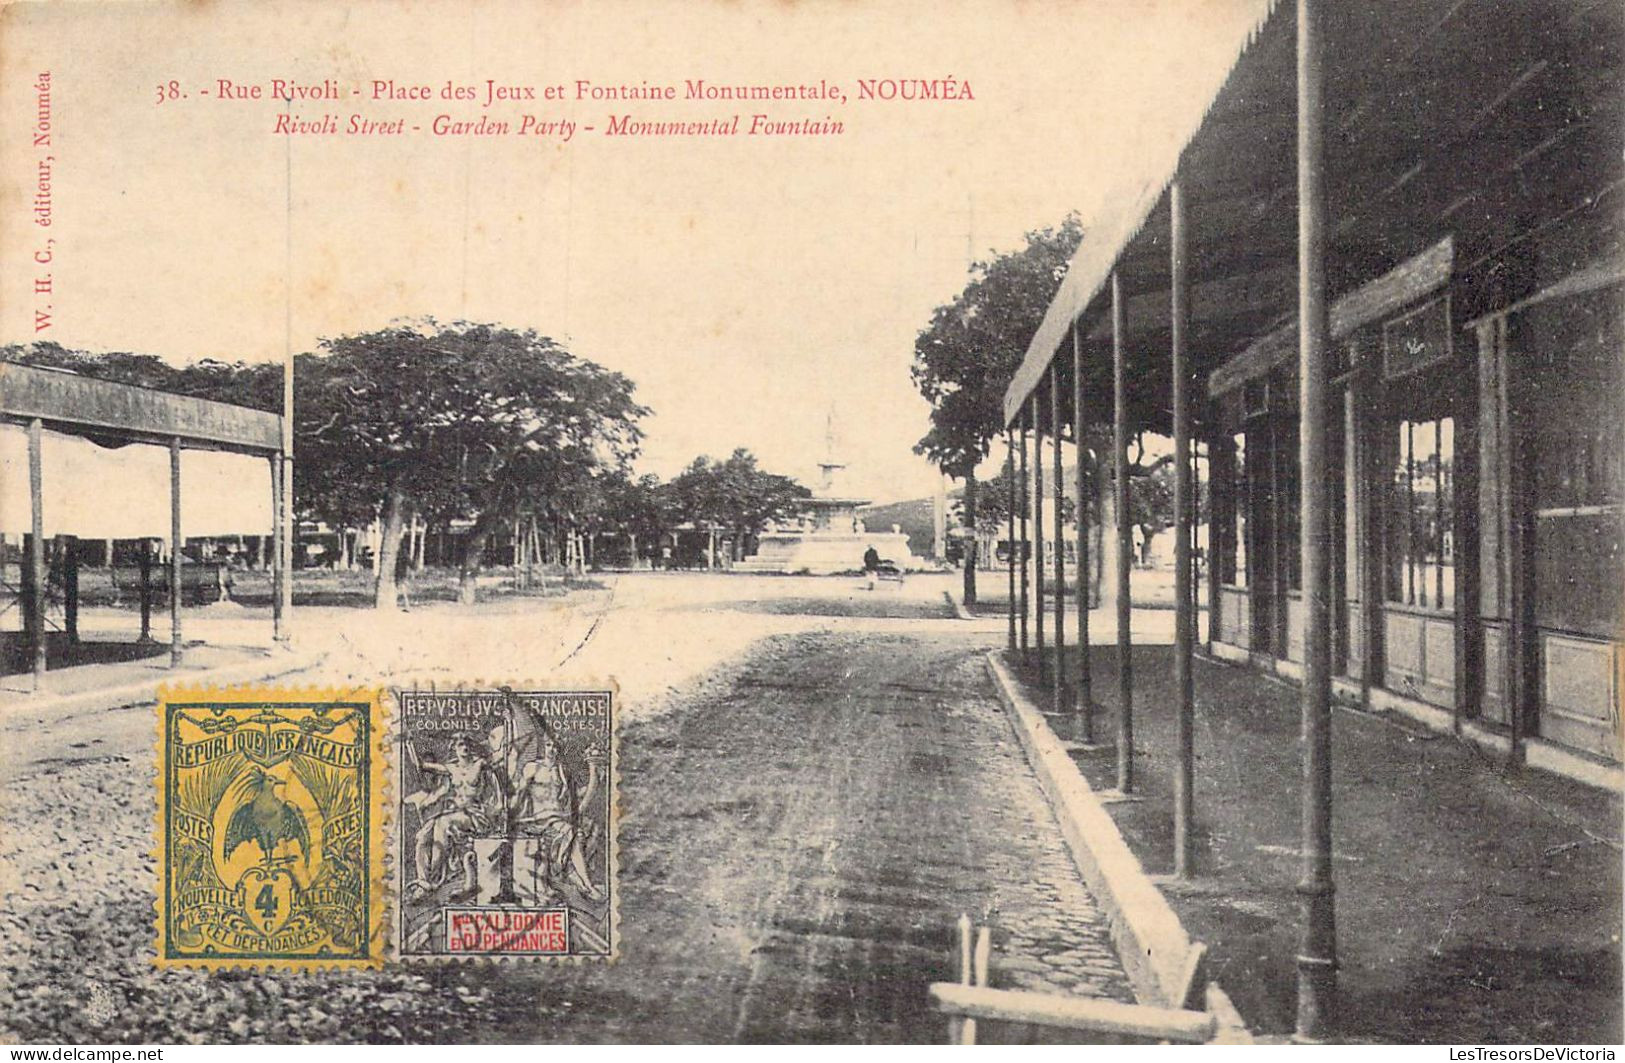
(748, 285)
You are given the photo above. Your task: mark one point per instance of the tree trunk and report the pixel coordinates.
(1105, 554)
(386, 593)
(468, 575)
(969, 541)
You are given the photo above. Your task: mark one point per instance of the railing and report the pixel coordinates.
(971, 999)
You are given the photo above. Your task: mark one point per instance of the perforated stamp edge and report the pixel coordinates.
(379, 808)
(576, 685)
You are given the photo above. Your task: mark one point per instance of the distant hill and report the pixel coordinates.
(915, 517)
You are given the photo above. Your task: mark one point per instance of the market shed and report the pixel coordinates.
(82, 458)
(1378, 273)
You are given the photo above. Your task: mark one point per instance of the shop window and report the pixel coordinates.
(1577, 466)
(1421, 515)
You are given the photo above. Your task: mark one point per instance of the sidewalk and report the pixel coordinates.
(1473, 904)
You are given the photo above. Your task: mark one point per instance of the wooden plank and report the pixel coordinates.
(1074, 1013)
(1407, 282)
(73, 401)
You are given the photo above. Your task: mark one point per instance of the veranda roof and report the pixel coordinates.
(1464, 119)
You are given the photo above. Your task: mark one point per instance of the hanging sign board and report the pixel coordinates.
(1419, 339)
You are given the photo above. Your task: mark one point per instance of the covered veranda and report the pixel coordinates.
(104, 474)
(1377, 275)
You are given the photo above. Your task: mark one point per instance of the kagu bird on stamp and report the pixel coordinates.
(270, 834)
(506, 828)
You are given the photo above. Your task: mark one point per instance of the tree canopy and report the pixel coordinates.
(735, 494)
(481, 421)
(964, 358)
(471, 421)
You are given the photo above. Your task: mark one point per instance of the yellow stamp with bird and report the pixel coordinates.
(270, 828)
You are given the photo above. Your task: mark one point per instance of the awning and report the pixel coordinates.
(1123, 212)
(1444, 118)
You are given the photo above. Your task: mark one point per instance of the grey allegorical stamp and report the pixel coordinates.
(506, 841)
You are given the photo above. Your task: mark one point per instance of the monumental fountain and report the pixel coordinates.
(830, 536)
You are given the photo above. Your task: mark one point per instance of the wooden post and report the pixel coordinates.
(1515, 534)
(70, 586)
(278, 573)
(1084, 701)
(979, 962)
(144, 561)
(175, 643)
(285, 554)
(1125, 544)
(1221, 523)
(1059, 487)
(1464, 526)
(1317, 952)
(1373, 479)
(1036, 413)
(1184, 599)
(36, 548)
(1010, 552)
(958, 1024)
(1026, 647)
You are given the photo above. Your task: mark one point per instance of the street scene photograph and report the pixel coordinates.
(1006, 523)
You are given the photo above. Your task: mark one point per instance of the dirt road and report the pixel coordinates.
(806, 814)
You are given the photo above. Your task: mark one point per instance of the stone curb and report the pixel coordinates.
(959, 607)
(1158, 955)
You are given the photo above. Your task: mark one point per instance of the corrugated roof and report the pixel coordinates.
(1124, 209)
(1459, 119)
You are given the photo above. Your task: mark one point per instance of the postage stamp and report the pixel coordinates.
(270, 828)
(506, 828)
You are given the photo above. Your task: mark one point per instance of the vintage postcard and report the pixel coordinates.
(506, 823)
(877, 521)
(270, 821)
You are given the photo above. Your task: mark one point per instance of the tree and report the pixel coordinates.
(964, 358)
(640, 509)
(478, 420)
(472, 421)
(736, 495)
(257, 385)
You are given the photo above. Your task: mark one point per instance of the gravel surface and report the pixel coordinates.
(812, 796)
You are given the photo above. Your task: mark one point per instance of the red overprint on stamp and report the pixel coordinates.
(508, 931)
